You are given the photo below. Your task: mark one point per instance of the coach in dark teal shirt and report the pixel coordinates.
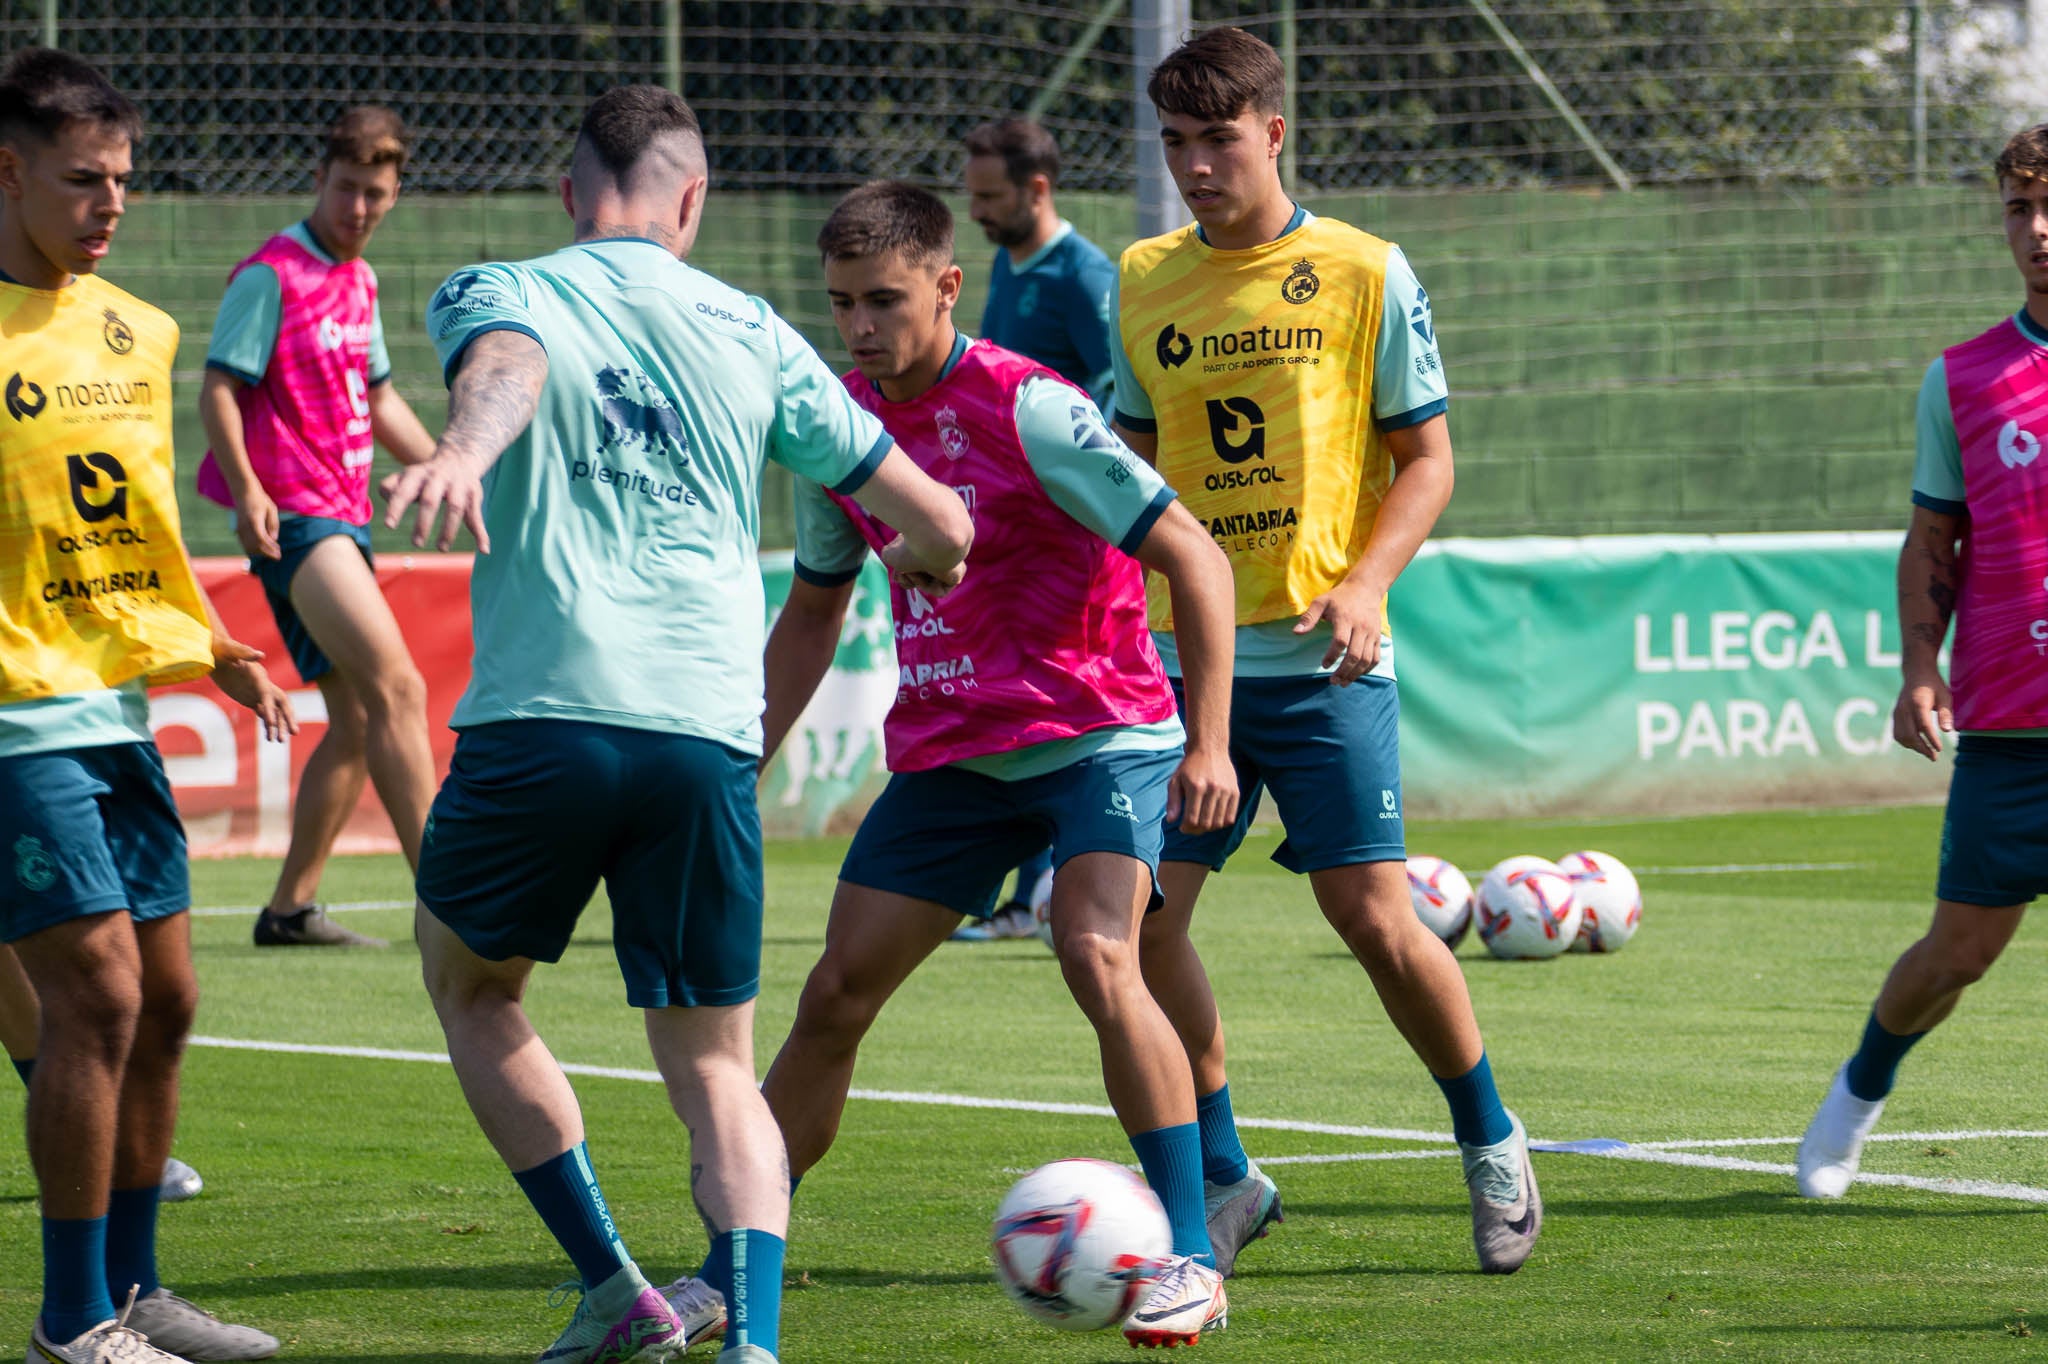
(1050, 292)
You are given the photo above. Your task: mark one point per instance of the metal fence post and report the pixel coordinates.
(1157, 28)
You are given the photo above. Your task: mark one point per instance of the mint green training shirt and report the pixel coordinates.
(623, 585)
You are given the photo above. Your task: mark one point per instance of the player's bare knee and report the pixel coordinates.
(1096, 967)
(836, 1005)
(398, 695)
(168, 1009)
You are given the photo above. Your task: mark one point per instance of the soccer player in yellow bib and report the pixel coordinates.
(97, 602)
(1282, 371)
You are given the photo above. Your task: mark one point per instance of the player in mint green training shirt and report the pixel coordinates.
(610, 412)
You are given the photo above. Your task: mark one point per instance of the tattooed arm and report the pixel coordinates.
(1927, 600)
(493, 397)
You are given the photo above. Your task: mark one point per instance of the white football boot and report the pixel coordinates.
(1184, 1303)
(1833, 1145)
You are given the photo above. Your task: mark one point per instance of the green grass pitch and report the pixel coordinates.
(353, 1208)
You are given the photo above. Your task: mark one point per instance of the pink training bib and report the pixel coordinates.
(1998, 395)
(307, 423)
(1046, 637)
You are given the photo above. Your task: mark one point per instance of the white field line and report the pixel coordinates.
(1731, 868)
(2008, 1133)
(229, 911)
(1658, 1153)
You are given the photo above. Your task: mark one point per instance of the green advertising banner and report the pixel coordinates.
(1647, 674)
(1541, 676)
(830, 766)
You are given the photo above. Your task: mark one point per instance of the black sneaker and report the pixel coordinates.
(308, 927)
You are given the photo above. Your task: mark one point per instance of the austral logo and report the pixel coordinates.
(25, 399)
(1301, 283)
(1225, 417)
(85, 472)
(120, 339)
(1173, 347)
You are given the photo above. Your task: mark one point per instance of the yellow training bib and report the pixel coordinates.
(1259, 368)
(93, 579)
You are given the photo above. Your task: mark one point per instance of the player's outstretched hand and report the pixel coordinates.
(906, 570)
(238, 671)
(1353, 613)
(1924, 713)
(1203, 793)
(256, 525)
(446, 490)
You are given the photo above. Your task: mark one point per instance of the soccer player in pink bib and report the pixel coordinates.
(1031, 705)
(1976, 554)
(297, 394)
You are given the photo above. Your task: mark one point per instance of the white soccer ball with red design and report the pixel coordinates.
(1442, 897)
(1610, 902)
(1041, 906)
(1526, 908)
(1079, 1242)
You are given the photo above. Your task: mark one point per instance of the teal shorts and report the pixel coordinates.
(1994, 840)
(296, 536)
(536, 812)
(87, 830)
(951, 836)
(1330, 755)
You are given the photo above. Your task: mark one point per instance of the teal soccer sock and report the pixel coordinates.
(1875, 1066)
(1477, 1118)
(564, 1192)
(746, 1267)
(1223, 1157)
(131, 1241)
(75, 1297)
(1172, 1160)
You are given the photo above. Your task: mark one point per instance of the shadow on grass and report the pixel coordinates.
(531, 1278)
(414, 1357)
(839, 1276)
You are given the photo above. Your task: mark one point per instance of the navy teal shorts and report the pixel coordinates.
(1994, 840)
(88, 830)
(296, 536)
(536, 812)
(952, 836)
(1330, 755)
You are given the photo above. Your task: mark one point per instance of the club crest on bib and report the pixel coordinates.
(119, 338)
(1301, 283)
(952, 439)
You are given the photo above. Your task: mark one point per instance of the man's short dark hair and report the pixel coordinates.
(887, 215)
(1217, 75)
(2025, 156)
(1026, 148)
(43, 91)
(368, 135)
(624, 121)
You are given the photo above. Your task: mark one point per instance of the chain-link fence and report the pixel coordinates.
(818, 96)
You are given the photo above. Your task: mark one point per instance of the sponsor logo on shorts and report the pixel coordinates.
(1390, 803)
(33, 865)
(1122, 807)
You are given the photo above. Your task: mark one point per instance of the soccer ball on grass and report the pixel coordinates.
(1078, 1243)
(1442, 898)
(1607, 893)
(1526, 908)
